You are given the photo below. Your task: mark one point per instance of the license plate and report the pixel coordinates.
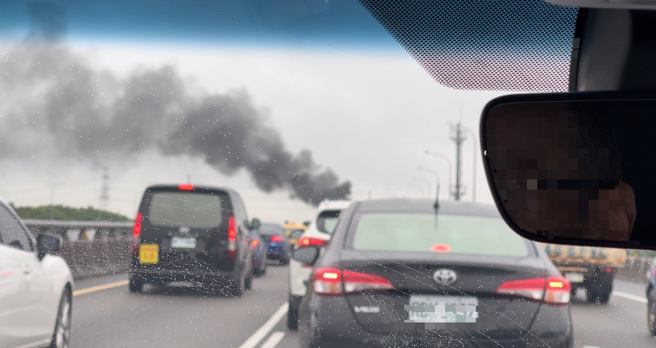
(183, 242)
(574, 277)
(149, 253)
(442, 309)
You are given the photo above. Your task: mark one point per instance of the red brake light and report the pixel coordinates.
(277, 238)
(307, 241)
(254, 244)
(186, 187)
(332, 281)
(136, 231)
(440, 248)
(608, 269)
(553, 290)
(232, 237)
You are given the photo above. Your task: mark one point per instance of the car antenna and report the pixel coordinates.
(436, 205)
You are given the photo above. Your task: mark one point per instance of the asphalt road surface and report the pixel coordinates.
(105, 314)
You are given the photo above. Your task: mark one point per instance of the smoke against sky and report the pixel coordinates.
(370, 114)
(55, 99)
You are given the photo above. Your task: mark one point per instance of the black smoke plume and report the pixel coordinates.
(53, 98)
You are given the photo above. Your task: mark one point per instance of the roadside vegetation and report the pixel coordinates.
(64, 213)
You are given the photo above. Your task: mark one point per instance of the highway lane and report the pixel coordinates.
(185, 317)
(621, 322)
(173, 317)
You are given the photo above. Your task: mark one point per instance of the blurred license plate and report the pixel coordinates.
(148, 253)
(574, 277)
(183, 242)
(442, 309)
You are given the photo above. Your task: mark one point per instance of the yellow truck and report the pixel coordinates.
(592, 268)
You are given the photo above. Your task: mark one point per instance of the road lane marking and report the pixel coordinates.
(252, 341)
(36, 344)
(100, 287)
(630, 297)
(273, 340)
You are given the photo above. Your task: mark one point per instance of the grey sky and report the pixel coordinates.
(365, 115)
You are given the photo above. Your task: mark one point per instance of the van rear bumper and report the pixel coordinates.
(163, 276)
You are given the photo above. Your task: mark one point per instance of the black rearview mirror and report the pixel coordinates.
(574, 168)
(47, 244)
(256, 224)
(306, 255)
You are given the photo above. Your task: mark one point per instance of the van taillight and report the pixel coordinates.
(277, 238)
(232, 237)
(552, 290)
(136, 232)
(332, 281)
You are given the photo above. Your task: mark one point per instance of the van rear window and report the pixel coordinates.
(191, 209)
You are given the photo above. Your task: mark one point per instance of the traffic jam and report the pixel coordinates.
(316, 173)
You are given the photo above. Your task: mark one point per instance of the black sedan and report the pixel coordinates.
(398, 273)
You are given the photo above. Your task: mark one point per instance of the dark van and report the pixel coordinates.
(192, 234)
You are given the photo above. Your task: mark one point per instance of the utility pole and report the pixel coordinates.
(104, 193)
(474, 157)
(458, 138)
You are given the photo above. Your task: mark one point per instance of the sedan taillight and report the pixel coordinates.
(232, 237)
(552, 290)
(333, 281)
(308, 241)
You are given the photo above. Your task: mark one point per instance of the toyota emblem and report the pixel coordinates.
(445, 277)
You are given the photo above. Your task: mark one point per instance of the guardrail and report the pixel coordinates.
(90, 247)
(104, 247)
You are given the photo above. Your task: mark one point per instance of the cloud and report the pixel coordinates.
(54, 99)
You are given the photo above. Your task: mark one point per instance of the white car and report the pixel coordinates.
(318, 232)
(35, 287)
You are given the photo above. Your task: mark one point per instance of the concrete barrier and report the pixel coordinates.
(94, 248)
(90, 248)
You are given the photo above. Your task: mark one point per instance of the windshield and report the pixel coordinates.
(286, 105)
(425, 233)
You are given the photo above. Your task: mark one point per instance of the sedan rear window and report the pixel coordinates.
(454, 234)
(175, 209)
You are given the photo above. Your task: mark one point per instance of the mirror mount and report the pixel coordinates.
(613, 49)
